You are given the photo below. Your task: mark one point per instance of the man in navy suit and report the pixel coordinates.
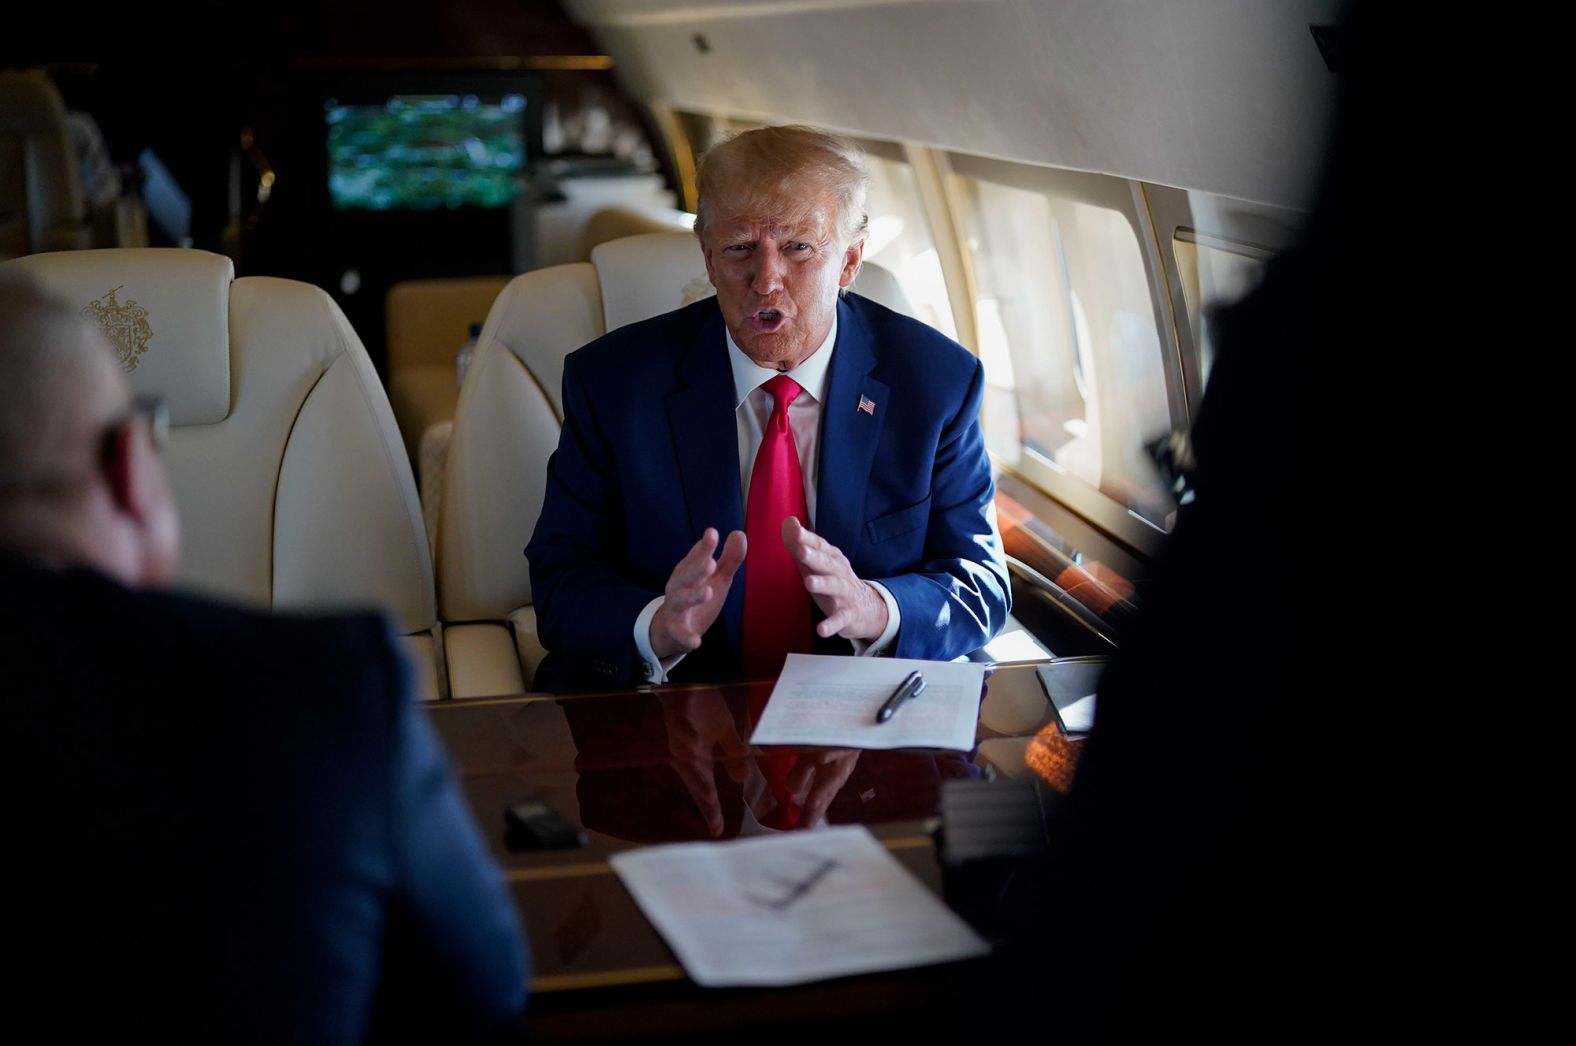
(224, 826)
(885, 526)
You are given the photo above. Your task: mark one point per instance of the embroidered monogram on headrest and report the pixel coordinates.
(125, 325)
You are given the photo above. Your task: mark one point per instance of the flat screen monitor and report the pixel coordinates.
(426, 152)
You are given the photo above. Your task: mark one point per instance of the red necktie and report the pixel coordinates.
(777, 618)
(776, 606)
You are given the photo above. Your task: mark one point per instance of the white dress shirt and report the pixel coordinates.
(753, 409)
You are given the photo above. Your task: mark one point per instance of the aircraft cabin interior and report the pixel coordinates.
(351, 244)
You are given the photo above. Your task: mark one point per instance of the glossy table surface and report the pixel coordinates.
(668, 765)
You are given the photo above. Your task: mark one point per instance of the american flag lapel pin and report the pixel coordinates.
(867, 405)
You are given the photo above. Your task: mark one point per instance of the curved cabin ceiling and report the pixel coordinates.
(1225, 96)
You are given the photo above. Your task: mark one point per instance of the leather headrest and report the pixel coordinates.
(541, 317)
(645, 276)
(881, 287)
(165, 311)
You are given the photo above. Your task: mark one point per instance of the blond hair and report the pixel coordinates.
(784, 175)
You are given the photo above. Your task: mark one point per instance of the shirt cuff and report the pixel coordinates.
(863, 648)
(657, 669)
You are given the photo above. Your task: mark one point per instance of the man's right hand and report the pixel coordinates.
(695, 593)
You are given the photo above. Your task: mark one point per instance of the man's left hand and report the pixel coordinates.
(853, 608)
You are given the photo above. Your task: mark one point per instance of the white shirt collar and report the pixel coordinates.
(811, 374)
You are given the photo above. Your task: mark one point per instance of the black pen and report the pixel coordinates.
(912, 687)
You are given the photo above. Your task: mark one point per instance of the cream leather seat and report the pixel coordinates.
(506, 427)
(41, 203)
(426, 322)
(293, 486)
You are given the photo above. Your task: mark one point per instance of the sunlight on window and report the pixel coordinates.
(925, 285)
(900, 241)
(1069, 342)
(884, 231)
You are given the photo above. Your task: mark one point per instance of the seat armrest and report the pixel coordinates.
(482, 660)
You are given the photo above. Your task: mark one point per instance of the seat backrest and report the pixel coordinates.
(505, 427)
(510, 410)
(428, 320)
(41, 204)
(293, 488)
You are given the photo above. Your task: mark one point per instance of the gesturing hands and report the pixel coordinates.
(695, 593)
(853, 609)
(699, 584)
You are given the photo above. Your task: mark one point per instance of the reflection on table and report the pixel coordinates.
(670, 765)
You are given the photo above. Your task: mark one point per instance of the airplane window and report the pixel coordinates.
(900, 241)
(1213, 272)
(1068, 337)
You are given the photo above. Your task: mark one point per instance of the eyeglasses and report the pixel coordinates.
(151, 408)
(156, 412)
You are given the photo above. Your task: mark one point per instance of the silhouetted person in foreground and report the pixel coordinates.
(223, 826)
(1201, 866)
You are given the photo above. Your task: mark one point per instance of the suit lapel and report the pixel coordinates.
(706, 441)
(849, 435)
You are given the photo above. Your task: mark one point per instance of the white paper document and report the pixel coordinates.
(832, 701)
(791, 908)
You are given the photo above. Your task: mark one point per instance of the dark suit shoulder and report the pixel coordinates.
(181, 647)
(647, 347)
(316, 657)
(911, 356)
(893, 329)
